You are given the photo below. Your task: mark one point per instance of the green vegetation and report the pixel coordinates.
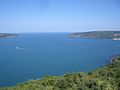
(6, 35)
(104, 78)
(97, 34)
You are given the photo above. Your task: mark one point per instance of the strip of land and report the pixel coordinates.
(7, 35)
(114, 35)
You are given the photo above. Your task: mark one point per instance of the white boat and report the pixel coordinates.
(17, 47)
(20, 48)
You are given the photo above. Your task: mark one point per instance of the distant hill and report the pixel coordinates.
(104, 78)
(115, 35)
(7, 35)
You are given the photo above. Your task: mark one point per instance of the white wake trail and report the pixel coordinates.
(20, 48)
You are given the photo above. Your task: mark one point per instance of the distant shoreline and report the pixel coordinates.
(7, 35)
(113, 35)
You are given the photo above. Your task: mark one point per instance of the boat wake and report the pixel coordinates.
(20, 48)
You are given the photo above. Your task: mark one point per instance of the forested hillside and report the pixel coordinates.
(115, 35)
(104, 78)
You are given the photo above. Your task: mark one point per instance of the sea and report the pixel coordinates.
(34, 55)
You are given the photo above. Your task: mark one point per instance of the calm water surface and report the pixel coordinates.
(31, 56)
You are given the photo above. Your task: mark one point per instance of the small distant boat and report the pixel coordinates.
(17, 47)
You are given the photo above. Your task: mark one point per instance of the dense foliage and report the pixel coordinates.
(97, 34)
(104, 78)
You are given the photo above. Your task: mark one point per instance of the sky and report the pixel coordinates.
(19, 16)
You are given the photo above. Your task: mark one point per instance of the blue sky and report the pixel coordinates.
(59, 15)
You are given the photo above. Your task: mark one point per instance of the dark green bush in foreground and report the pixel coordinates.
(105, 78)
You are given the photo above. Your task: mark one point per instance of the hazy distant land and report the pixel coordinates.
(115, 35)
(6, 35)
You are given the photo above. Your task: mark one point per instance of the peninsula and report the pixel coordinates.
(115, 35)
(7, 35)
(104, 78)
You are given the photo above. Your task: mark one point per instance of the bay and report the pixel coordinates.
(33, 55)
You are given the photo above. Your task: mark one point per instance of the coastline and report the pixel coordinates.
(113, 35)
(115, 39)
(97, 74)
(7, 35)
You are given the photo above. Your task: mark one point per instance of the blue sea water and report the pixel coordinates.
(31, 56)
